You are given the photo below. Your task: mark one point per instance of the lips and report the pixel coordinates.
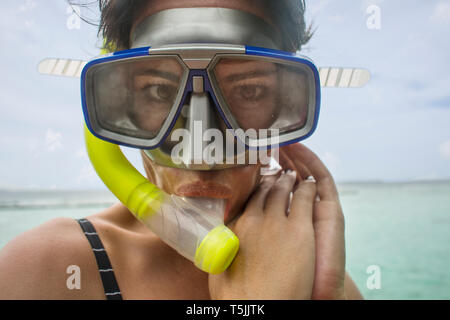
(207, 190)
(204, 189)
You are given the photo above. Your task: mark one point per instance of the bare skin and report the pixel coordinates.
(33, 265)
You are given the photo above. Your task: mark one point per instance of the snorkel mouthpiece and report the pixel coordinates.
(193, 227)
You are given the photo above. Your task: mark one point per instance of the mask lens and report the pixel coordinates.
(134, 97)
(262, 94)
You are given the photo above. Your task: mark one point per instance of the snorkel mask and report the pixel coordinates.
(194, 73)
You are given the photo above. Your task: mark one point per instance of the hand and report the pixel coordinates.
(276, 259)
(328, 222)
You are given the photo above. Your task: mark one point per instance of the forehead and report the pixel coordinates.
(254, 7)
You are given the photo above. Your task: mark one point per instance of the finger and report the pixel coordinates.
(328, 223)
(284, 160)
(256, 203)
(287, 163)
(329, 233)
(302, 206)
(277, 200)
(301, 155)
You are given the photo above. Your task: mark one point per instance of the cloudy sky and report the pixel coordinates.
(397, 128)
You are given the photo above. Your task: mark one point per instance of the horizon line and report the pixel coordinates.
(344, 182)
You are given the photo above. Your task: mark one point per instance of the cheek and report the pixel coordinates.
(244, 183)
(162, 177)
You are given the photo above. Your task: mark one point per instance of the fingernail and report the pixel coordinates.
(282, 173)
(310, 179)
(291, 173)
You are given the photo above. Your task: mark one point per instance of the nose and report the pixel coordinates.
(200, 116)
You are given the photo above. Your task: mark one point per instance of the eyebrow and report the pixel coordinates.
(163, 74)
(250, 74)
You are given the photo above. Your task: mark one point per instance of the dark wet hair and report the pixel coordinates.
(117, 17)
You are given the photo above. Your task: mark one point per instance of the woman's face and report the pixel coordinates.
(233, 184)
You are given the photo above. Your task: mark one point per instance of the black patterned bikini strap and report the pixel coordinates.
(110, 286)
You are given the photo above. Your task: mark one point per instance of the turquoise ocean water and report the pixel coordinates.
(402, 229)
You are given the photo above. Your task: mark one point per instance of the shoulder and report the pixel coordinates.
(351, 290)
(38, 263)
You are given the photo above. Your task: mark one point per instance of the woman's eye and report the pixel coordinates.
(249, 92)
(160, 93)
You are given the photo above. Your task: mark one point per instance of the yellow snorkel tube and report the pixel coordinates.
(189, 226)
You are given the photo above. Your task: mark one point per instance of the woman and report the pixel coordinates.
(300, 255)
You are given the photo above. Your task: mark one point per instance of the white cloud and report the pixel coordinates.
(29, 23)
(81, 154)
(87, 175)
(33, 186)
(317, 6)
(441, 12)
(7, 186)
(367, 3)
(27, 6)
(338, 18)
(444, 149)
(53, 140)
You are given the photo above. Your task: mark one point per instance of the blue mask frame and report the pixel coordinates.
(212, 51)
